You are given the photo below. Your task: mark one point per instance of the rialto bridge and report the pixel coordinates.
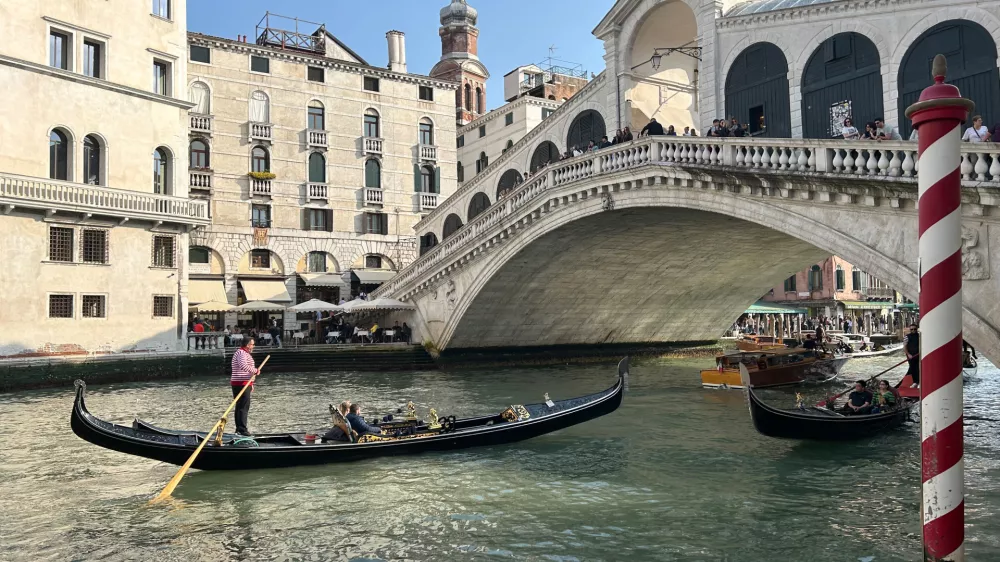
(669, 239)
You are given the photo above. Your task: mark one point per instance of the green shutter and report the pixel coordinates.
(305, 220)
(329, 220)
(416, 178)
(437, 179)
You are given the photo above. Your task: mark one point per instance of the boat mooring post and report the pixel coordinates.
(938, 117)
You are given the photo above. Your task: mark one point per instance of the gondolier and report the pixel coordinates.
(911, 344)
(243, 370)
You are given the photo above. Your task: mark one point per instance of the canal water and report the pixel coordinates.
(678, 473)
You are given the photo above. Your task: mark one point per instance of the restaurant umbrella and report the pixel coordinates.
(315, 305)
(213, 306)
(382, 303)
(260, 306)
(348, 307)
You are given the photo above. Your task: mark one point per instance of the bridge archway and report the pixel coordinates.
(479, 203)
(508, 181)
(844, 68)
(544, 154)
(757, 91)
(428, 241)
(972, 66)
(451, 224)
(587, 126)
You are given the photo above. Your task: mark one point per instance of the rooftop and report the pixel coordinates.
(760, 6)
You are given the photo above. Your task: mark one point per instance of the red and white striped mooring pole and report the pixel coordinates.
(938, 116)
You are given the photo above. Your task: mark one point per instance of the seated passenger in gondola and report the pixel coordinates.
(859, 401)
(341, 430)
(359, 424)
(810, 342)
(885, 398)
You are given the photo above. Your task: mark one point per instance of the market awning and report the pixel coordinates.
(203, 290)
(774, 308)
(267, 290)
(323, 280)
(865, 305)
(372, 276)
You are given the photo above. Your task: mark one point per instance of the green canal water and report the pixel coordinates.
(678, 473)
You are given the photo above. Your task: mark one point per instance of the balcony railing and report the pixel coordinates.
(200, 180)
(372, 145)
(878, 292)
(428, 153)
(39, 193)
(428, 201)
(373, 196)
(201, 124)
(259, 131)
(316, 138)
(316, 191)
(260, 187)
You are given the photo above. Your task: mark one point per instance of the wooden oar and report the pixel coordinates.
(169, 488)
(823, 403)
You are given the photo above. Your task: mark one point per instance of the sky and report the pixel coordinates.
(511, 32)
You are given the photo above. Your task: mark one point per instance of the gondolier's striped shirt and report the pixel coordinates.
(243, 368)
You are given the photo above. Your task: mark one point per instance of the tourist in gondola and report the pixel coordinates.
(359, 424)
(243, 370)
(859, 402)
(810, 343)
(341, 431)
(885, 398)
(911, 344)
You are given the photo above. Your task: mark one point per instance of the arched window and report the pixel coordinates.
(510, 145)
(427, 241)
(316, 262)
(426, 132)
(201, 97)
(260, 107)
(427, 180)
(461, 172)
(790, 284)
(841, 280)
(161, 171)
(317, 168)
(508, 181)
(316, 116)
(479, 100)
(468, 97)
(371, 124)
(91, 160)
(482, 162)
(373, 174)
(451, 224)
(545, 154)
(815, 278)
(757, 90)
(260, 160)
(58, 155)
(199, 154)
(479, 203)
(587, 126)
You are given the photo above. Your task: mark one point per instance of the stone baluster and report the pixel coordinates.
(908, 164)
(668, 151)
(883, 163)
(756, 156)
(740, 155)
(806, 163)
(994, 167)
(894, 163)
(812, 163)
(966, 167)
(861, 162)
(775, 157)
(981, 167)
(838, 160)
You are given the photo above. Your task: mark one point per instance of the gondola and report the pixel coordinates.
(821, 424)
(516, 423)
(969, 367)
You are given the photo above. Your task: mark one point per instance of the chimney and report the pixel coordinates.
(397, 51)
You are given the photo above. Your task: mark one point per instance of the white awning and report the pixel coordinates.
(373, 276)
(203, 290)
(323, 280)
(271, 291)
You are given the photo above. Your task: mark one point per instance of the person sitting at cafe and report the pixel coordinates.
(885, 398)
(375, 332)
(859, 401)
(407, 333)
(359, 424)
(810, 343)
(341, 430)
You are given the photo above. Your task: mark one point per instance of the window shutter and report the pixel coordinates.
(305, 219)
(384, 219)
(416, 178)
(329, 220)
(437, 179)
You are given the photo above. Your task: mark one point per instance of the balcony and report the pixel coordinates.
(373, 196)
(428, 153)
(260, 187)
(316, 191)
(259, 132)
(428, 201)
(201, 124)
(877, 292)
(200, 180)
(372, 145)
(316, 138)
(54, 196)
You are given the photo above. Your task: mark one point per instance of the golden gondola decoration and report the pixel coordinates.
(433, 423)
(411, 411)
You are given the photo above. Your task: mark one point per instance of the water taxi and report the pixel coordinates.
(773, 368)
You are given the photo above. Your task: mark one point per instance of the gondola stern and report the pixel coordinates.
(623, 372)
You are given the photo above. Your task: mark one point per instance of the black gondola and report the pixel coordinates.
(516, 423)
(821, 424)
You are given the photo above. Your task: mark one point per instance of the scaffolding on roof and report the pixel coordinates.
(289, 36)
(551, 67)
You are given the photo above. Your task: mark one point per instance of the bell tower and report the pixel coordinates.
(460, 60)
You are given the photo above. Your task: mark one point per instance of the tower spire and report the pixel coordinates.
(460, 59)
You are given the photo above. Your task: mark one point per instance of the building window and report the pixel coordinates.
(315, 74)
(260, 160)
(371, 124)
(161, 78)
(371, 84)
(815, 278)
(510, 145)
(60, 306)
(161, 171)
(260, 107)
(482, 163)
(92, 59)
(260, 64)
(373, 174)
(426, 93)
(93, 306)
(316, 117)
(60, 244)
(482, 131)
(376, 223)
(468, 97)
(547, 112)
(856, 280)
(163, 307)
(318, 219)
(427, 180)
(163, 251)
(260, 259)
(201, 54)
(58, 155)
(790, 284)
(317, 168)
(91, 160)
(161, 8)
(198, 255)
(461, 141)
(260, 216)
(317, 262)
(841, 280)
(373, 262)
(59, 50)
(95, 246)
(201, 96)
(479, 100)
(199, 155)
(461, 172)
(426, 133)
(508, 119)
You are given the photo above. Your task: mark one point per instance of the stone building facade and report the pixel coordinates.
(93, 182)
(317, 166)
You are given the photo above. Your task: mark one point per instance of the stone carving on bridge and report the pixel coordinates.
(607, 202)
(975, 252)
(449, 294)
